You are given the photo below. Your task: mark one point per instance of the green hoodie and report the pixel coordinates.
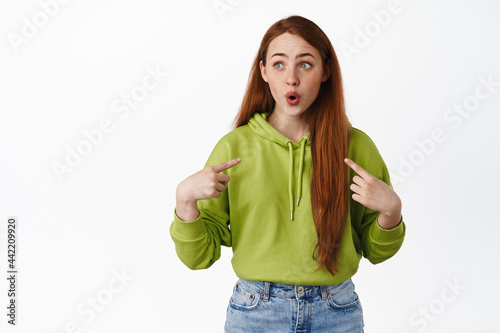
(265, 211)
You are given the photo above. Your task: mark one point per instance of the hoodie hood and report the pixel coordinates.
(259, 124)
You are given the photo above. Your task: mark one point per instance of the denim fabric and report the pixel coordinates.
(261, 306)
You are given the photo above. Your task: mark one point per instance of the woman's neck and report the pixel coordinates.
(293, 128)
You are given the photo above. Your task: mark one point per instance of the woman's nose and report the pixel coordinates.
(292, 79)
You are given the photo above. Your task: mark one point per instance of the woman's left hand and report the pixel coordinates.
(375, 194)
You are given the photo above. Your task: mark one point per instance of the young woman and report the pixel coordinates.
(298, 193)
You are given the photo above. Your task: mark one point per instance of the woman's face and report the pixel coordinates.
(294, 72)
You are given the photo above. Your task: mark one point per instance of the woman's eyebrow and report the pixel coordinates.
(298, 56)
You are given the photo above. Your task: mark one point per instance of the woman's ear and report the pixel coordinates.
(326, 74)
(263, 71)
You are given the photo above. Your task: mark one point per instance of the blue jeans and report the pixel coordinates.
(261, 306)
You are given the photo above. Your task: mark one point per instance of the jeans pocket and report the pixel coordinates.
(343, 296)
(244, 298)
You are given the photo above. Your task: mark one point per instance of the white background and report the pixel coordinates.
(111, 214)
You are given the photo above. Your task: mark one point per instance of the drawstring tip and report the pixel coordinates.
(298, 199)
(291, 215)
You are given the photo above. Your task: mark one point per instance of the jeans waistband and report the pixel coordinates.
(274, 289)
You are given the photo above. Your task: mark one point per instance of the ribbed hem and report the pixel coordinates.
(387, 235)
(189, 230)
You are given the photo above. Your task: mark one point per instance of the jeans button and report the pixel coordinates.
(300, 290)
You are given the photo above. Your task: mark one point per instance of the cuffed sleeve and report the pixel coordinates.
(198, 242)
(188, 230)
(381, 244)
(388, 235)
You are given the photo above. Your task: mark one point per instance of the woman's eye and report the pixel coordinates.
(278, 65)
(305, 65)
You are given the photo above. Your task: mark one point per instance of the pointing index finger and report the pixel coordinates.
(226, 165)
(359, 170)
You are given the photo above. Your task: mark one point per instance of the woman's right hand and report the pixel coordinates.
(205, 184)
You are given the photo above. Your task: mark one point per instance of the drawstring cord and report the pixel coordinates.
(290, 174)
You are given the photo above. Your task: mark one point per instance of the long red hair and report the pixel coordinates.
(329, 135)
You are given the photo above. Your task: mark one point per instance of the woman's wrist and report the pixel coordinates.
(186, 210)
(389, 221)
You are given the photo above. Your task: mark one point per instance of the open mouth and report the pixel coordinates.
(292, 98)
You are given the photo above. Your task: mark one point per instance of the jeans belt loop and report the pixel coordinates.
(267, 290)
(323, 291)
